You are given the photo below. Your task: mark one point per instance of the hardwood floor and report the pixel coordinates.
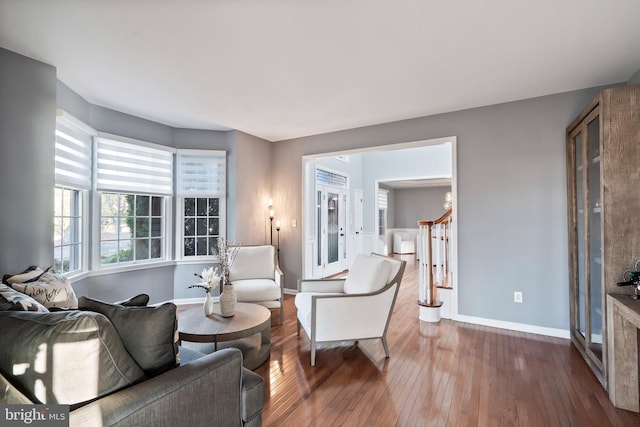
(445, 374)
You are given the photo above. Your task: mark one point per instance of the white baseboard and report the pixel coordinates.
(520, 327)
(185, 301)
(290, 291)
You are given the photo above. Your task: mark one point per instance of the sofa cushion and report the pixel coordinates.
(135, 301)
(12, 300)
(367, 274)
(50, 289)
(253, 262)
(67, 357)
(149, 334)
(255, 290)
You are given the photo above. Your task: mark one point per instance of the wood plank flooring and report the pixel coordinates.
(445, 374)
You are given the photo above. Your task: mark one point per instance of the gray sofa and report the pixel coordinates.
(77, 358)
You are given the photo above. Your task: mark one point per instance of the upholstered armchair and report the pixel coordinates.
(356, 308)
(404, 243)
(256, 277)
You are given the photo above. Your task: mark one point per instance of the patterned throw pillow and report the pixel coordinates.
(12, 300)
(50, 289)
(29, 274)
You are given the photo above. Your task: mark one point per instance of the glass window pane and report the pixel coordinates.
(57, 231)
(126, 251)
(142, 249)
(213, 245)
(57, 258)
(126, 205)
(214, 226)
(108, 252)
(66, 204)
(214, 207)
(156, 227)
(66, 231)
(189, 246)
(126, 228)
(156, 206)
(201, 246)
(57, 201)
(190, 227)
(202, 227)
(202, 207)
(156, 248)
(66, 258)
(142, 227)
(142, 205)
(189, 206)
(108, 228)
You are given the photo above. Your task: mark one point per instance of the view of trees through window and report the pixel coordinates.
(201, 226)
(66, 231)
(131, 227)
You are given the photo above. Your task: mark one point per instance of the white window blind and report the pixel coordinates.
(382, 199)
(201, 172)
(331, 179)
(131, 166)
(73, 145)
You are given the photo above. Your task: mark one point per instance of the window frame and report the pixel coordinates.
(74, 182)
(82, 232)
(131, 264)
(182, 194)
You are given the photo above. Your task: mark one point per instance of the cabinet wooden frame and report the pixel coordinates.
(618, 113)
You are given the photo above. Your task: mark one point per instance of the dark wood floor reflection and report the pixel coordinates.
(445, 374)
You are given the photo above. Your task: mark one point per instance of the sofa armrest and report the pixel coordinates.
(321, 285)
(206, 391)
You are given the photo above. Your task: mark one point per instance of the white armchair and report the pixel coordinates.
(404, 243)
(356, 308)
(256, 277)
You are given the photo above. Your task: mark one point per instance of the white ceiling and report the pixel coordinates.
(281, 69)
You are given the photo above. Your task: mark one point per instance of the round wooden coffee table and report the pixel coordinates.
(249, 330)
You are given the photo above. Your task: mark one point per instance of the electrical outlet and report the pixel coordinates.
(517, 297)
(294, 223)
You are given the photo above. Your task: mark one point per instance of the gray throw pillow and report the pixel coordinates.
(67, 357)
(148, 333)
(136, 301)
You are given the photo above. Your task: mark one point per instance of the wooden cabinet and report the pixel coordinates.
(603, 179)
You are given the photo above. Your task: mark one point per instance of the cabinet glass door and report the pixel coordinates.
(580, 224)
(596, 310)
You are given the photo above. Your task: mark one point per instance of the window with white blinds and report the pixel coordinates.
(73, 145)
(331, 179)
(129, 166)
(201, 190)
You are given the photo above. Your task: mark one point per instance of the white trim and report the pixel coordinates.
(186, 301)
(290, 291)
(520, 327)
(75, 121)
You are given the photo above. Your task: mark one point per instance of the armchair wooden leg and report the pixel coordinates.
(297, 327)
(386, 346)
(313, 355)
(281, 313)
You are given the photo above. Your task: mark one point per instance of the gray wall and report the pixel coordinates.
(27, 122)
(635, 79)
(413, 204)
(511, 200)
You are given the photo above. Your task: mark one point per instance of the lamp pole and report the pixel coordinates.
(278, 230)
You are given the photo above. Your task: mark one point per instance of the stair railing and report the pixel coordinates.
(435, 258)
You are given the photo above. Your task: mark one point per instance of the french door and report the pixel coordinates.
(331, 230)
